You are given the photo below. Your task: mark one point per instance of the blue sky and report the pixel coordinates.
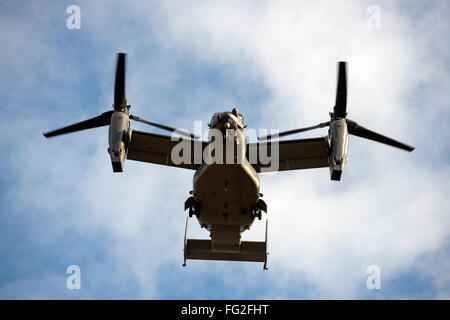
(275, 60)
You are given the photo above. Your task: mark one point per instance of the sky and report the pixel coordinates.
(62, 205)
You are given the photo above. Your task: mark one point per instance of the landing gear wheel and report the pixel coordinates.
(193, 206)
(256, 213)
(194, 210)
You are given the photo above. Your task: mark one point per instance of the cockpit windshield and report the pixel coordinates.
(234, 118)
(214, 120)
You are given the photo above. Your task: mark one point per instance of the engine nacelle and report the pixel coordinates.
(338, 145)
(119, 138)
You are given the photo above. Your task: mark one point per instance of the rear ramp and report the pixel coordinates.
(251, 251)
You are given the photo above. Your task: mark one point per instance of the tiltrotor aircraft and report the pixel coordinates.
(225, 198)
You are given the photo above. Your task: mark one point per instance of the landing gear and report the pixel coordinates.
(192, 212)
(256, 213)
(193, 206)
(258, 208)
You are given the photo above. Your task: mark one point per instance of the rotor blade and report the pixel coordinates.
(357, 130)
(102, 120)
(340, 107)
(167, 128)
(286, 133)
(120, 100)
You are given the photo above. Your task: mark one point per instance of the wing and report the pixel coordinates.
(293, 155)
(157, 148)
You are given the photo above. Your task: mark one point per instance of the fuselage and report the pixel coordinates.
(227, 192)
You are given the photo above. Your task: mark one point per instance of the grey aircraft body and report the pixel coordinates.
(226, 196)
